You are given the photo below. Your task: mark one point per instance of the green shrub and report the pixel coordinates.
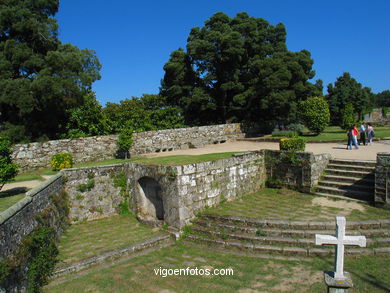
(274, 183)
(86, 187)
(292, 144)
(8, 170)
(314, 113)
(347, 117)
(61, 161)
(284, 134)
(125, 141)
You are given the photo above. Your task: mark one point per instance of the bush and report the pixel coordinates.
(314, 113)
(125, 141)
(284, 134)
(61, 161)
(296, 127)
(292, 144)
(8, 170)
(347, 117)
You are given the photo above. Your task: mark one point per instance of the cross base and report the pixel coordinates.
(336, 285)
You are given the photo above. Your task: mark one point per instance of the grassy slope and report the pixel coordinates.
(370, 274)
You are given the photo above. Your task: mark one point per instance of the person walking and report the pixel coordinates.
(370, 133)
(362, 134)
(352, 137)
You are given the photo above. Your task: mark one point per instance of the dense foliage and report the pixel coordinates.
(8, 170)
(238, 69)
(347, 90)
(39, 76)
(347, 117)
(148, 112)
(382, 99)
(314, 113)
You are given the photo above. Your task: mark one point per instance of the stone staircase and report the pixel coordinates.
(278, 238)
(348, 178)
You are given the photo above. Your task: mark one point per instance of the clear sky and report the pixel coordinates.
(133, 39)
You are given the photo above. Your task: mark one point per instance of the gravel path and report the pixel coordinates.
(337, 150)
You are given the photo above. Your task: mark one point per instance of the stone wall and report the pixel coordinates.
(20, 220)
(85, 149)
(94, 192)
(37, 155)
(184, 138)
(382, 180)
(187, 189)
(377, 116)
(300, 170)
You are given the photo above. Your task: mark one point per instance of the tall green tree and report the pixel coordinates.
(382, 99)
(237, 69)
(40, 78)
(88, 119)
(347, 90)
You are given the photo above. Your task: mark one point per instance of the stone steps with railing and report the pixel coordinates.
(278, 237)
(348, 178)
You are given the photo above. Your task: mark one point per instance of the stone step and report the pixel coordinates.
(343, 185)
(348, 173)
(290, 232)
(280, 250)
(362, 181)
(276, 240)
(347, 192)
(251, 223)
(353, 162)
(350, 168)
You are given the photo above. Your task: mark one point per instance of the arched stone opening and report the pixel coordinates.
(151, 206)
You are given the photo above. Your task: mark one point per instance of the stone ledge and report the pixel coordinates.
(113, 254)
(43, 185)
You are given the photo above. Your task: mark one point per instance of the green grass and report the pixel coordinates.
(9, 198)
(28, 177)
(102, 163)
(335, 132)
(251, 274)
(183, 159)
(291, 205)
(87, 239)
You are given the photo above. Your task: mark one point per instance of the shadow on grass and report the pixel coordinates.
(13, 191)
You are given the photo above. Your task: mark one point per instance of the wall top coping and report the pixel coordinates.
(11, 211)
(93, 167)
(43, 185)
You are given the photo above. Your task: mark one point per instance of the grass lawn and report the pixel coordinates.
(87, 239)
(9, 198)
(335, 132)
(183, 159)
(250, 274)
(286, 204)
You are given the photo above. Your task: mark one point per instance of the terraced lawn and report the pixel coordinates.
(250, 274)
(286, 204)
(88, 239)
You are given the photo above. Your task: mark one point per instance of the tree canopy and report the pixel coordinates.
(40, 78)
(347, 90)
(238, 69)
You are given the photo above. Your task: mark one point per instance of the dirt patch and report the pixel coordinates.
(346, 206)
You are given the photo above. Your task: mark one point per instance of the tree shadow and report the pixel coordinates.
(13, 191)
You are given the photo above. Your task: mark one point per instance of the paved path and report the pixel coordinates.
(337, 150)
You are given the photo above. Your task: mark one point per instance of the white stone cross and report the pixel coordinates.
(340, 240)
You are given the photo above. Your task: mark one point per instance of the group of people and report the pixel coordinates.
(366, 135)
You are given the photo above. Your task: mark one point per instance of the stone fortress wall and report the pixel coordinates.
(86, 149)
(96, 192)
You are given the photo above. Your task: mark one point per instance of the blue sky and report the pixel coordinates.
(133, 39)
